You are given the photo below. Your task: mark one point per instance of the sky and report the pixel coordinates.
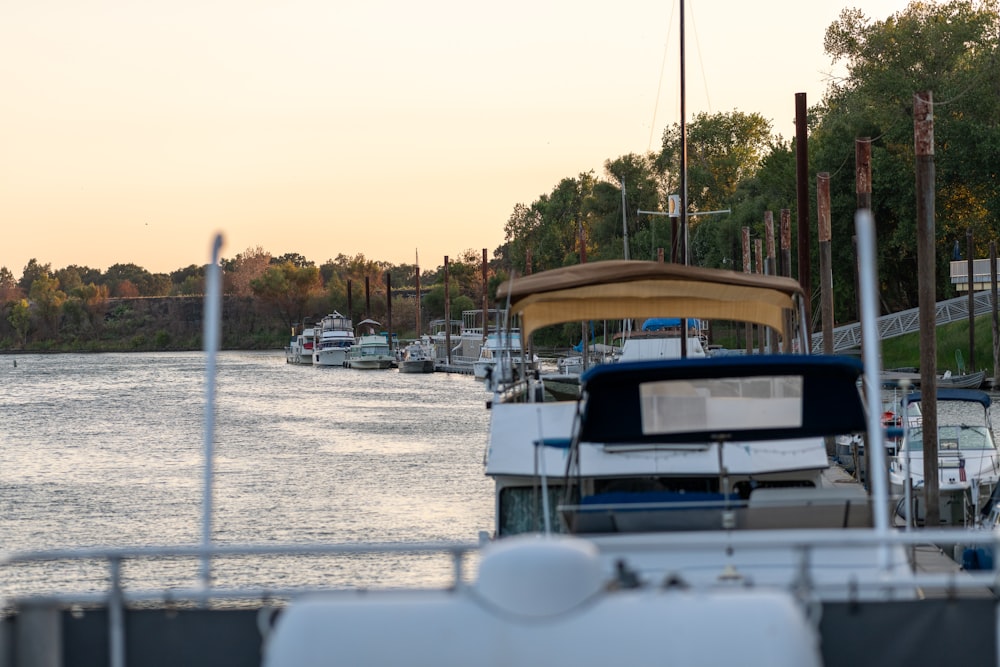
(134, 131)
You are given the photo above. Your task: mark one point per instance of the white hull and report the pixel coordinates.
(370, 363)
(330, 357)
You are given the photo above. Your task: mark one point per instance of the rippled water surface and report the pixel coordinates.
(107, 450)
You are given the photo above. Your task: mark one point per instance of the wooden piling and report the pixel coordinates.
(825, 259)
(923, 139)
(447, 312)
(993, 305)
(971, 263)
(746, 269)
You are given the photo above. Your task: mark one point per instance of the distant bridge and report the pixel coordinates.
(907, 321)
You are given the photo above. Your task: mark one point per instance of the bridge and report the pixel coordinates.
(907, 321)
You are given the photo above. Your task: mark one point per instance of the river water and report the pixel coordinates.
(107, 450)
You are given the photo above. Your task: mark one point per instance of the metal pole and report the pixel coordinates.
(802, 192)
(923, 137)
(212, 331)
(447, 311)
(865, 229)
(785, 229)
(683, 165)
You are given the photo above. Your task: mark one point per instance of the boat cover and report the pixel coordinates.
(630, 289)
(831, 402)
(970, 395)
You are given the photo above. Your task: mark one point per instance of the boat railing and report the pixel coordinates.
(803, 542)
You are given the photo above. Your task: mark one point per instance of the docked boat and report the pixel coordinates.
(968, 463)
(370, 350)
(655, 449)
(300, 347)
(334, 341)
(503, 351)
(417, 358)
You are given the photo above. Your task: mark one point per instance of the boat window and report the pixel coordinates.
(954, 437)
(718, 404)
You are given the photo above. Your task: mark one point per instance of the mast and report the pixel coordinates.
(624, 218)
(683, 164)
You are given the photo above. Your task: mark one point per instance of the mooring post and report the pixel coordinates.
(923, 138)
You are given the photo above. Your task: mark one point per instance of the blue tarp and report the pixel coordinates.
(657, 323)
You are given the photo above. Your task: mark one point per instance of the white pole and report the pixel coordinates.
(212, 331)
(864, 225)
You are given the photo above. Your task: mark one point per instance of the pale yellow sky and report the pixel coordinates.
(132, 130)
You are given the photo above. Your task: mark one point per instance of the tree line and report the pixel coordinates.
(735, 162)
(78, 307)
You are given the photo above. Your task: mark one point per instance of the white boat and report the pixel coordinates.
(659, 338)
(659, 448)
(968, 462)
(300, 347)
(503, 350)
(335, 336)
(417, 358)
(370, 350)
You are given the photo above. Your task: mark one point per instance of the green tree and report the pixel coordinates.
(725, 150)
(20, 319)
(950, 49)
(288, 289)
(32, 270)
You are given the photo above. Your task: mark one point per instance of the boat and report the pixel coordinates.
(973, 380)
(968, 461)
(653, 449)
(850, 449)
(894, 378)
(300, 346)
(334, 338)
(370, 350)
(417, 358)
(503, 350)
(660, 338)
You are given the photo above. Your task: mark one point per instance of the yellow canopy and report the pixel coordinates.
(628, 289)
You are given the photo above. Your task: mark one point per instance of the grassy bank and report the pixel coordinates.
(904, 351)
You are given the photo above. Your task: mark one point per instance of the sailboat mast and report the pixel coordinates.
(683, 161)
(624, 218)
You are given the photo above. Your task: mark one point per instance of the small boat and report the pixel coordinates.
(972, 380)
(371, 350)
(968, 461)
(300, 347)
(336, 337)
(417, 358)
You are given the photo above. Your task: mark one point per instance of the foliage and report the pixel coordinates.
(287, 288)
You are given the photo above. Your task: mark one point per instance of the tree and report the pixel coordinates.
(9, 291)
(20, 319)
(32, 270)
(950, 49)
(288, 289)
(244, 268)
(725, 150)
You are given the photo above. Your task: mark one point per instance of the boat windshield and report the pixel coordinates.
(694, 405)
(954, 437)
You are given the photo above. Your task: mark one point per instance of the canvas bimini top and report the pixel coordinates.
(969, 395)
(632, 289)
(751, 398)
